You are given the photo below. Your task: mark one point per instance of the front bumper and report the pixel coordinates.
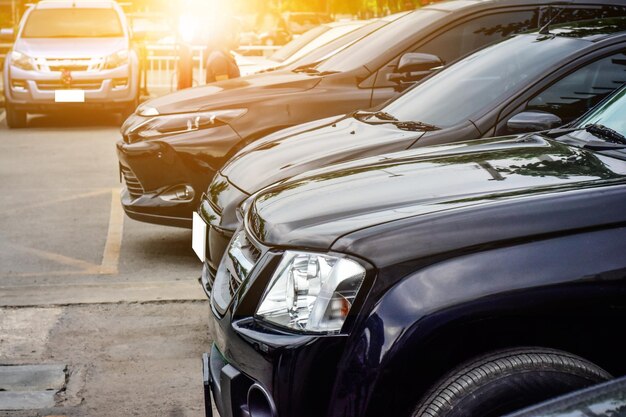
(152, 171)
(103, 89)
(249, 360)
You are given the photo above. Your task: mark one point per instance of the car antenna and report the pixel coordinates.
(545, 29)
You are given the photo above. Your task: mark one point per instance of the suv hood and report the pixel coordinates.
(233, 93)
(315, 210)
(70, 47)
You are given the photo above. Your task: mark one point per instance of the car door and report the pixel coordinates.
(581, 87)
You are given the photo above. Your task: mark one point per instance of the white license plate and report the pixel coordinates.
(69, 96)
(198, 240)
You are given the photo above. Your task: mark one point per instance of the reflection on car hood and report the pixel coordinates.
(70, 47)
(235, 93)
(315, 210)
(268, 161)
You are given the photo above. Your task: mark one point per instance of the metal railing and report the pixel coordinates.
(162, 63)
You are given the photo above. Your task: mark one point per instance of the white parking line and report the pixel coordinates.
(111, 256)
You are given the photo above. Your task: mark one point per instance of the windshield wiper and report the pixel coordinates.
(415, 126)
(606, 133)
(390, 118)
(307, 69)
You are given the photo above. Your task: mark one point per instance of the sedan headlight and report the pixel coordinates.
(311, 292)
(174, 124)
(116, 60)
(22, 61)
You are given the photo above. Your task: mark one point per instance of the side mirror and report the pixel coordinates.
(415, 62)
(533, 121)
(414, 66)
(7, 35)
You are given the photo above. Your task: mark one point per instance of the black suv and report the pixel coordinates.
(173, 145)
(472, 279)
(527, 83)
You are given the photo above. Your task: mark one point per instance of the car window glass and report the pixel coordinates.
(73, 23)
(572, 14)
(475, 84)
(468, 37)
(582, 89)
(373, 45)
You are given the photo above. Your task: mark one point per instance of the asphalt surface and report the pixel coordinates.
(115, 301)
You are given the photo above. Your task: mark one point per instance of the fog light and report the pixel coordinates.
(260, 403)
(19, 85)
(120, 82)
(179, 194)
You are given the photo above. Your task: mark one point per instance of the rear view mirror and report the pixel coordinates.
(7, 35)
(413, 66)
(533, 121)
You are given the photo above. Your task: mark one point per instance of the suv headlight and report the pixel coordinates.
(173, 124)
(311, 292)
(116, 60)
(22, 61)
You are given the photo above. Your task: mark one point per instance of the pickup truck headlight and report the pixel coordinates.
(116, 60)
(22, 61)
(173, 124)
(311, 292)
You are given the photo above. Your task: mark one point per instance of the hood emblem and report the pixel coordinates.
(66, 78)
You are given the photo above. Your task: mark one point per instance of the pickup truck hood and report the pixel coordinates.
(317, 209)
(235, 93)
(269, 160)
(70, 47)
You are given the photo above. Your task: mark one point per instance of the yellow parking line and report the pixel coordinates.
(111, 256)
(54, 201)
(3, 116)
(60, 259)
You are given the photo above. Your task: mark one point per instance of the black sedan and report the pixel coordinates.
(173, 145)
(527, 83)
(462, 280)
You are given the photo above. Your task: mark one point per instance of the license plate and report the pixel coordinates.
(198, 240)
(69, 96)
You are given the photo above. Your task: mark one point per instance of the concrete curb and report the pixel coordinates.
(100, 293)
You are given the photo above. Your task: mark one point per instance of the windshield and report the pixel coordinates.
(73, 23)
(609, 114)
(475, 84)
(297, 44)
(323, 39)
(337, 45)
(362, 52)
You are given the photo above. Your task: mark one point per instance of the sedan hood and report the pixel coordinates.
(70, 47)
(312, 146)
(317, 209)
(235, 93)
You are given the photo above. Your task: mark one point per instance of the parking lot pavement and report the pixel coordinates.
(116, 300)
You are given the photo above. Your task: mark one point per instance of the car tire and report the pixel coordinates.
(16, 119)
(506, 381)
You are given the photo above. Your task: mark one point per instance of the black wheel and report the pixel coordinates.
(16, 119)
(506, 381)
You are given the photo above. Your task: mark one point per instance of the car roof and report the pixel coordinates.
(345, 23)
(78, 4)
(454, 5)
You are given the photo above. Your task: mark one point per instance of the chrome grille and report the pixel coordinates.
(59, 85)
(69, 64)
(235, 268)
(133, 185)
